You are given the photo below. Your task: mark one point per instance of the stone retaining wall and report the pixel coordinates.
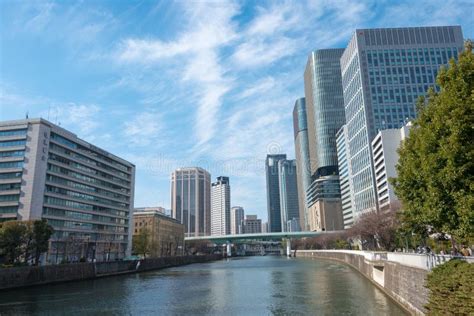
(404, 284)
(28, 276)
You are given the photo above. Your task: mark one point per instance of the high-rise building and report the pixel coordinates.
(345, 177)
(384, 151)
(303, 168)
(166, 234)
(273, 191)
(236, 220)
(288, 192)
(84, 192)
(252, 225)
(158, 209)
(220, 207)
(324, 107)
(384, 71)
(325, 115)
(191, 200)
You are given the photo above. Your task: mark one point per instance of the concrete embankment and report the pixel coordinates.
(404, 283)
(29, 276)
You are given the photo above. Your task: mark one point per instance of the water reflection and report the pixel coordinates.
(249, 286)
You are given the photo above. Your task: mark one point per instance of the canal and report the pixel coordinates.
(241, 286)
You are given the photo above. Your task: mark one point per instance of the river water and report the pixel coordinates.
(241, 286)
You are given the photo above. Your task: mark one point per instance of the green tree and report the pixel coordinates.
(436, 167)
(41, 234)
(13, 237)
(451, 288)
(141, 243)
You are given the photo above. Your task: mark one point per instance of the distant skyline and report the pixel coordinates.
(182, 84)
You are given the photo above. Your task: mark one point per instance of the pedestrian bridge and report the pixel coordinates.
(260, 236)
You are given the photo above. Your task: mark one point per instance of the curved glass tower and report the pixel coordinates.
(303, 168)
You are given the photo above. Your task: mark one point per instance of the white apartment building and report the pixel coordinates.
(220, 207)
(236, 220)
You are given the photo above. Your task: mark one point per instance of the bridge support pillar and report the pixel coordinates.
(288, 247)
(229, 249)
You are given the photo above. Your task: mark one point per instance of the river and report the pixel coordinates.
(241, 286)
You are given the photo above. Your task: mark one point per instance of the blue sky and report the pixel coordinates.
(187, 83)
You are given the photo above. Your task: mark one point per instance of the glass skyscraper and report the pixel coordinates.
(288, 192)
(384, 71)
(303, 168)
(191, 200)
(325, 108)
(273, 191)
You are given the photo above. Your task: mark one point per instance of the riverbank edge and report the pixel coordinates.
(21, 277)
(367, 272)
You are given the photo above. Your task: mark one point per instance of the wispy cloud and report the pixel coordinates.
(144, 129)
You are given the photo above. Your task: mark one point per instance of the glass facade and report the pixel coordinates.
(288, 192)
(325, 107)
(273, 191)
(345, 176)
(384, 71)
(303, 167)
(190, 200)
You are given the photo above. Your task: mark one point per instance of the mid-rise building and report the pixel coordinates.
(345, 177)
(236, 220)
(191, 200)
(265, 227)
(303, 166)
(273, 191)
(288, 192)
(159, 209)
(324, 204)
(252, 225)
(384, 71)
(166, 234)
(84, 192)
(384, 151)
(220, 207)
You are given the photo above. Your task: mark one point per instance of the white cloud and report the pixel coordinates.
(82, 119)
(209, 30)
(260, 87)
(144, 128)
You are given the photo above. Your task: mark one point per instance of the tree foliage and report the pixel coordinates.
(24, 241)
(451, 289)
(141, 243)
(377, 230)
(436, 167)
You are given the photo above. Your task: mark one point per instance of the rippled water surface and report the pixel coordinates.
(241, 286)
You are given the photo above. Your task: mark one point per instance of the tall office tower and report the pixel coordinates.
(220, 207)
(191, 200)
(303, 168)
(345, 177)
(84, 192)
(325, 114)
(324, 107)
(384, 150)
(384, 71)
(236, 220)
(252, 225)
(273, 192)
(288, 192)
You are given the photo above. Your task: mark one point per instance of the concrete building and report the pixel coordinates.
(236, 220)
(288, 192)
(191, 200)
(220, 207)
(324, 204)
(384, 71)
(252, 225)
(303, 167)
(273, 191)
(293, 225)
(384, 151)
(345, 177)
(159, 209)
(265, 227)
(166, 233)
(84, 192)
